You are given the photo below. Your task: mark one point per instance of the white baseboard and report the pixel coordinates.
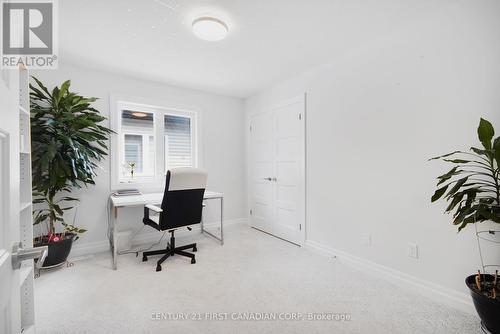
(441, 294)
(82, 249)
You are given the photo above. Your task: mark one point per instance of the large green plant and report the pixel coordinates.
(472, 186)
(67, 142)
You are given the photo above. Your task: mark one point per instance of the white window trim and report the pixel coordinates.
(156, 106)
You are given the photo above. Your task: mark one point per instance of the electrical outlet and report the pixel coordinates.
(413, 251)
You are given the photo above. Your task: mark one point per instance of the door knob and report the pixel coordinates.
(268, 178)
(19, 254)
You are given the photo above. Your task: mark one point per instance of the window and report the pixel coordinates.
(178, 142)
(143, 159)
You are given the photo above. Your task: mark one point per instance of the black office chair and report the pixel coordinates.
(182, 206)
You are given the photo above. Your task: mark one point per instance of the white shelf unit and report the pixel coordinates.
(25, 179)
(24, 132)
(26, 272)
(23, 110)
(24, 206)
(26, 279)
(29, 330)
(24, 90)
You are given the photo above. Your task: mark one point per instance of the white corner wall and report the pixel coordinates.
(374, 116)
(222, 121)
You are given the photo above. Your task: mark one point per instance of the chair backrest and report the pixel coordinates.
(183, 198)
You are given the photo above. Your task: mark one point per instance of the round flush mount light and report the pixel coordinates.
(210, 28)
(139, 114)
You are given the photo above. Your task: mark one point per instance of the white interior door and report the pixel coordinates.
(10, 298)
(16, 229)
(277, 169)
(262, 171)
(289, 156)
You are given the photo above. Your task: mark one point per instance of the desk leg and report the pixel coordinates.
(201, 223)
(113, 239)
(221, 220)
(221, 239)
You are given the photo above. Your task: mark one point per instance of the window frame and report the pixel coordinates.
(159, 110)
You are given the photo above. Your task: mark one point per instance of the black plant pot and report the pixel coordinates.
(488, 309)
(58, 252)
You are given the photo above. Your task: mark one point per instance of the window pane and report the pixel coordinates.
(133, 151)
(178, 150)
(138, 153)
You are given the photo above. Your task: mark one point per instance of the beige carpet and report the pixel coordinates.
(254, 283)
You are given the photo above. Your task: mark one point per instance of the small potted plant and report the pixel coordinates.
(472, 189)
(67, 141)
(131, 166)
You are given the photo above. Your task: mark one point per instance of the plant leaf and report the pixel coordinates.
(457, 186)
(448, 175)
(437, 195)
(485, 133)
(445, 155)
(496, 148)
(457, 161)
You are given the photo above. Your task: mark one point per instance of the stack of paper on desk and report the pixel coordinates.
(127, 192)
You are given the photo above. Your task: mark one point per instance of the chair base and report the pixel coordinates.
(171, 250)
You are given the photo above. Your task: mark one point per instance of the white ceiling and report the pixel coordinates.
(268, 40)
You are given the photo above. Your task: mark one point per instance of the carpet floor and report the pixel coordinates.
(255, 283)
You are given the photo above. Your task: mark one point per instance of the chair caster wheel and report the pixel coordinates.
(193, 261)
(158, 268)
(195, 249)
(144, 259)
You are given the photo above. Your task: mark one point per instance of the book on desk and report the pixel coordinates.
(127, 192)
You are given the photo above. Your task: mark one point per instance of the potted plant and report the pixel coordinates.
(67, 141)
(472, 189)
(131, 166)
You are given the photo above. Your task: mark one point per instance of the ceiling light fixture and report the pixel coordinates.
(210, 28)
(139, 114)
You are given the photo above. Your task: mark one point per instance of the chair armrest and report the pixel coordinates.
(154, 208)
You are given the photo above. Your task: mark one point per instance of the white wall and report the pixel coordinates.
(374, 116)
(222, 121)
